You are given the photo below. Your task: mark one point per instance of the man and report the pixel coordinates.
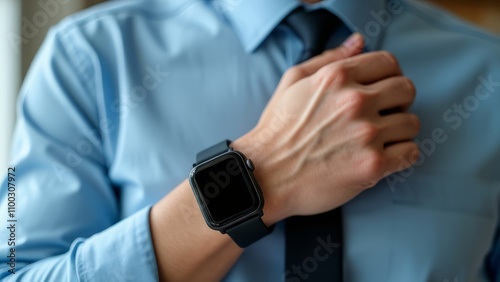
(122, 97)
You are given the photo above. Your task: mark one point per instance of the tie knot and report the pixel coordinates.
(314, 28)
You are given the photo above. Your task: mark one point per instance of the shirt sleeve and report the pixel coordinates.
(67, 211)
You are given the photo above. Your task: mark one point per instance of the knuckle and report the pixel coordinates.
(374, 166)
(415, 121)
(408, 158)
(336, 73)
(354, 101)
(367, 132)
(295, 73)
(413, 153)
(408, 84)
(414, 150)
(390, 58)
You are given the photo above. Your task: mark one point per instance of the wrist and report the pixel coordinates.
(267, 176)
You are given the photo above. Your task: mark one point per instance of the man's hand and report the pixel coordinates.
(335, 125)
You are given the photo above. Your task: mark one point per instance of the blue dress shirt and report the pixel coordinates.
(122, 96)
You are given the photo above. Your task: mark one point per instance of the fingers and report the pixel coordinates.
(352, 46)
(393, 93)
(396, 134)
(371, 67)
(401, 156)
(397, 128)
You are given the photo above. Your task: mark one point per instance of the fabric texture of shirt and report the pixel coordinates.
(122, 96)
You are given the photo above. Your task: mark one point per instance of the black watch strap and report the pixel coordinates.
(248, 232)
(213, 151)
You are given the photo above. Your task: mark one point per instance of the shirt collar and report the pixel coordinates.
(253, 20)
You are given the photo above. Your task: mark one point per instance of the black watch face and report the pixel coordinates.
(225, 189)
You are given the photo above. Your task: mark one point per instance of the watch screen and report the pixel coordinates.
(226, 190)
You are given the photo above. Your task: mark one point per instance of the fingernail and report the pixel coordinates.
(353, 40)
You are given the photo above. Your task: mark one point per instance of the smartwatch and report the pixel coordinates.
(229, 197)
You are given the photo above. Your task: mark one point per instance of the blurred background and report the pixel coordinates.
(24, 23)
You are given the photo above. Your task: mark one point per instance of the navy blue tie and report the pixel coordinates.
(314, 28)
(313, 243)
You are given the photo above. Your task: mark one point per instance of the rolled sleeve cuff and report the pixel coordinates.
(123, 252)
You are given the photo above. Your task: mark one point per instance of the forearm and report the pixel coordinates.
(186, 248)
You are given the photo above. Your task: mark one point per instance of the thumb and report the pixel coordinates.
(352, 46)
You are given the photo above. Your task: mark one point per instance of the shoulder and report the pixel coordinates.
(115, 30)
(118, 13)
